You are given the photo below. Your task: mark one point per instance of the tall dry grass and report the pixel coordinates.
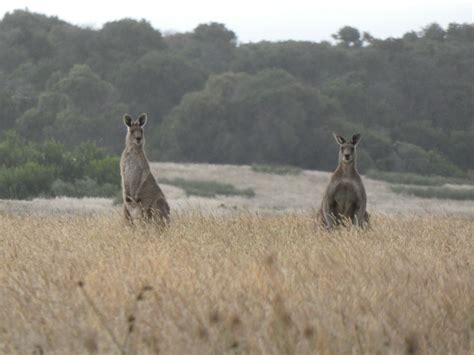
(236, 284)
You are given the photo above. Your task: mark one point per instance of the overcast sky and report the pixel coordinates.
(255, 20)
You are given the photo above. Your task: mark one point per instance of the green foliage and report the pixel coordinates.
(349, 36)
(211, 47)
(207, 188)
(83, 187)
(271, 115)
(129, 36)
(436, 192)
(212, 100)
(434, 32)
(30, 169)
(15, 150)
(412, 158)
(104, 170)
(94, 162)
(276, 169)
(214, 32)
(26, 180)
(85, 88)
(74, 108)
(415, 179)
(156, 82)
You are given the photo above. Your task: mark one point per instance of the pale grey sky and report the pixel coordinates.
(265, 19)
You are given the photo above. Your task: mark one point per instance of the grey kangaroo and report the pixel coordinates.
(142, 197)
(345, 195)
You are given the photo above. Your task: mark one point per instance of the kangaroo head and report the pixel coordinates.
(134, 207)
(347, 150)
(135, 134)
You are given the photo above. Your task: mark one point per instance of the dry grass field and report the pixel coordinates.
(244, 283)
(237, 275)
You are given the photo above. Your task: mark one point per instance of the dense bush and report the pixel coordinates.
(412, 158)
(27, 180)
(83, 187)
(239, 118)
(30, 169)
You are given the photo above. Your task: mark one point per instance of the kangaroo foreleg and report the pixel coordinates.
(141, 185)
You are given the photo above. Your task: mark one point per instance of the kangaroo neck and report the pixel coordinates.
(347, 168)
(136, 149)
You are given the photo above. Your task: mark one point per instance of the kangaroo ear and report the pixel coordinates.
(142, 119)
(356, 139)
(127, 119)
(339, 139)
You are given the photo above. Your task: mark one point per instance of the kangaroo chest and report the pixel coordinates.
(132, 171)
(345, 197)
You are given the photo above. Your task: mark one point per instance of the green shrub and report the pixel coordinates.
(207, 188)
(436, 192)
(408, 157)
(26, 181)
(415, 179)
(276, 169)
(104, 170)
(82, 157)
(62, 188)
(364, 161)
(15, 150)
(83, 187)
(29, 169)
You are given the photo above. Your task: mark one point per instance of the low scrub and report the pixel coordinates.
(276, 169)
(30, 169)
(207, 188)
(83, 187)
(415, 179)
(26, 180)
(447, 193)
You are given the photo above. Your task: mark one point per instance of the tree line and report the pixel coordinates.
(212, 99)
